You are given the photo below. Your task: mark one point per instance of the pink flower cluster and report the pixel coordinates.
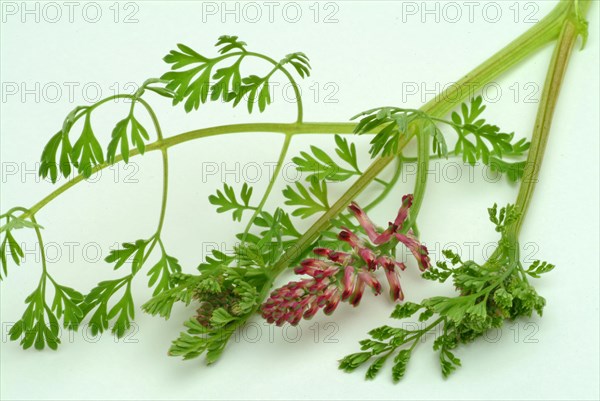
(344, 276)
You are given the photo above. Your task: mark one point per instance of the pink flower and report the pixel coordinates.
(409, 240)
(364, 221)
(393, 276)
(343, 276)
(351, 238)
(299, 299)
(349, 282)
(418, 250)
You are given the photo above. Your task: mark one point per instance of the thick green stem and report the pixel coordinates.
(543, 122)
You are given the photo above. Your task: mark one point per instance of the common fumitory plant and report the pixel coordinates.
(343, 254)
(343, 276)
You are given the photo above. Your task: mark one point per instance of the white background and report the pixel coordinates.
(369, 57)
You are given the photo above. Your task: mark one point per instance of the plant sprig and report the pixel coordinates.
(200, 82)
(477, 139)
(489, 294)
(229, 289)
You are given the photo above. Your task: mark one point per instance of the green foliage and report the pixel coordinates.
(353, 361)
(50, 166)
(384, 342)
(194, 84)
(226, 298)
(375, 367)
(98, 301)
(504, 217)
(448, 361)
(265, 248)
(309, 200)
(198, 339)
(477, 140)
(182, 288)
(400, 364)
(66, 304)
(150, 84)
(299, 61)
(257, 90)
(489, 294)
(217, 260)
(8, 243)
(229, 288)
(322, 166)
(230, 43)
(160, 274)
(389, 123)
(226, 200)
(16, 222)
(406, 309)
(39, 326)
(438, 144)
(439, 273)
(137, 133)
(84, 154)
(87, 152)
(538, 268)
(128, 250)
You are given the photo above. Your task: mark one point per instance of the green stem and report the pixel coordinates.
(280, 128)
(388, 187)
(422, 332)
(165, 188)
(259, 208)
(290, 78)
(546, 108)
(165, 161)
(420, 180)
(165, 191)
(44, 275)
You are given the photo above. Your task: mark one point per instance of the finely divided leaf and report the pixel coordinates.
(226, 200)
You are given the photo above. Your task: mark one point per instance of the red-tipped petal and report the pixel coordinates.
(385, 236)
(342, 258)
(364, 221)
(349, 282)
(369, 279)
(407, 201)
(358, 293)
(322, 251)
(332, 304)
(349, 237)
(368, 256)
(394, 282)
(418, 250)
